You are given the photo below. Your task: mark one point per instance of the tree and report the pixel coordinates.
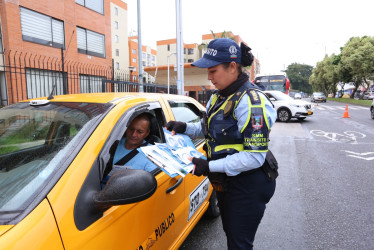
(299, 74)
(224, 34)
(326, 75)
(357, 57)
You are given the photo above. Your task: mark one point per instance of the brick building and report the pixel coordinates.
(66, 43)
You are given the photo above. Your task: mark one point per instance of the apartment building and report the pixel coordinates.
(166, 49)
(120, 45)
(196, 83)
(64, 44)
(3, 92)
(148, 60)
(255, 68)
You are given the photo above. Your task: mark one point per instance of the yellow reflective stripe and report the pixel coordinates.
(249, 115)
(236, 104)
(214, 99)
(238, 147)
(259, 151)
(209, 149)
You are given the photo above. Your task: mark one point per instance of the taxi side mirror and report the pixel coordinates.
(125, 187)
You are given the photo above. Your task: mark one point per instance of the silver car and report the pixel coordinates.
(318, 97)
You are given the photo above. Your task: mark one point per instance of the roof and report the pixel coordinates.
(101, 97)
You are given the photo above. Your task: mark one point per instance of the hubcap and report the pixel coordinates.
(283, 115)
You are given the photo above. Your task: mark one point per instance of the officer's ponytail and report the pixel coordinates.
(247, 56)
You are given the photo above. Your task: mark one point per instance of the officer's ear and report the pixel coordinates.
(232, 67)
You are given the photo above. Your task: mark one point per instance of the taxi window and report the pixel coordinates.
(35, 142)
(114, 151)
(186, 112)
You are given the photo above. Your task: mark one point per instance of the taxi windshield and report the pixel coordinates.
(34, 142)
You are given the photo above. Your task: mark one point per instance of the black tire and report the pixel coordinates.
(372, 113)
(301, 118)
(284, 115)
(213, 209)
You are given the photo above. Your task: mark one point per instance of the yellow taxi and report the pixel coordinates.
(54, 155)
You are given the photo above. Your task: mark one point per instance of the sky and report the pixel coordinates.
(280, 32)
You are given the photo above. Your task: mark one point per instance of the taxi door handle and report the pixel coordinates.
(175, 185)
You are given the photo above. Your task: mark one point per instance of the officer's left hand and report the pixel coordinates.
(201, 166)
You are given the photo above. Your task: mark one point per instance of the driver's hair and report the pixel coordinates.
(145, 117)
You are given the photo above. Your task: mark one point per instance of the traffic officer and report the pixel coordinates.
(239, 118)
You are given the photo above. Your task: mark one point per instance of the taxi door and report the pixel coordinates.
(197, 188)
(155, 222)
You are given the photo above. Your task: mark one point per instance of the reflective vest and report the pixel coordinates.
(224, 137)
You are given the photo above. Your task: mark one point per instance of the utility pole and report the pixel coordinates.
(180, 59)
(140, 61)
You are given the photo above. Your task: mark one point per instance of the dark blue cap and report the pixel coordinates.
(219, 50)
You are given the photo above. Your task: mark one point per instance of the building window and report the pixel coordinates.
(116, 39)
(117, 65)
(116, 11)
(168, 47)
(143, 55)
(134, 60)
(42, 29)
(41, 82)
(190, 51)
(190, 60)
(117, 52)
(143, 64)
(116, 25)
(134, 51)
(95, 5)
(184, 51)
(153, 58)
(90, 43)
(91, 84)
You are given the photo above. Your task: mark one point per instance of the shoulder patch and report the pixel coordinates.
(255, 98)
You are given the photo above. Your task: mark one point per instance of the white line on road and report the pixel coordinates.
(360, 155)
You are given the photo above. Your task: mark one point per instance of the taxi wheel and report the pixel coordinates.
(284, 115)
(213, 209)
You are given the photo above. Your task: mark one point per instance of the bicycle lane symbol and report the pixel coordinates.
(347, 136)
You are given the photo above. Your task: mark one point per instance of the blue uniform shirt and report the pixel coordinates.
(243, 161)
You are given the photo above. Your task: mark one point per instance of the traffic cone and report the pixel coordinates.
(346, 115)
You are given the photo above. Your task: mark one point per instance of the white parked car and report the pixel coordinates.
(297, 96)
(288, 107)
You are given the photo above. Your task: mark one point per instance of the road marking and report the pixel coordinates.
(360, 155)
(340, 108)
(347, 136)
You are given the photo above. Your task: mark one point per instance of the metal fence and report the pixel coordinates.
(25, 75)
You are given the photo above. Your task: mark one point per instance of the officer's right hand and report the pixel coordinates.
(176, 127)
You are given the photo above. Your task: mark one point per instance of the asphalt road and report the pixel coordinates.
(325, 192)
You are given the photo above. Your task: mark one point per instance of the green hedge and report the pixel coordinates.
(351, 101)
